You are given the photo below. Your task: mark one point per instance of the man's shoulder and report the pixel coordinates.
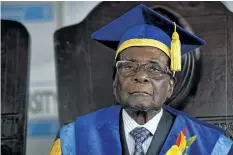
(87, 118)
(68, 127)
(193, 120)
(103, 113)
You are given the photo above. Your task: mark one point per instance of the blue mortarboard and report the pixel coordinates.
(142, 26)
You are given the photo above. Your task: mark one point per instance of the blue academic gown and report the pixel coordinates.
(97, 133)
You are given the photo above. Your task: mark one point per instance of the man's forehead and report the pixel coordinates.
(144, 54)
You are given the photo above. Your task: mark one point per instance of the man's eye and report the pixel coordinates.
(153, 69)
(129, 67)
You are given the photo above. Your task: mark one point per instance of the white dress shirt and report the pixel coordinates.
(130, 124)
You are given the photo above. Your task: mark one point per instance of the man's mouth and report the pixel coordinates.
(144, 93)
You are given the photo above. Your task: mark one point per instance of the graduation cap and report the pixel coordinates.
(142, 26)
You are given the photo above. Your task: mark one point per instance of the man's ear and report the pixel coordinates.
(171, 88)
(115, 91)
(114, 87)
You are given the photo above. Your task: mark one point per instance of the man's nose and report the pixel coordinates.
(141, 77)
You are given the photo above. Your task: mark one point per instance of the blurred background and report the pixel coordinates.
(52, 71)
(41, 20)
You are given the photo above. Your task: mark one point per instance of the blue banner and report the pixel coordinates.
(42, 128)
(29, 12)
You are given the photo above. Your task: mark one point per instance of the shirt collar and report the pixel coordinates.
(151, 125)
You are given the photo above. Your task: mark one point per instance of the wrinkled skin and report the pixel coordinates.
(139, 91)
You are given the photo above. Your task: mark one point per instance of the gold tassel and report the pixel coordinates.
(175, 51)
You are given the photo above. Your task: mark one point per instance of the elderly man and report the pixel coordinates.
(148, 53)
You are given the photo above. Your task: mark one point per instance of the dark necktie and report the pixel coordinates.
(139, 134)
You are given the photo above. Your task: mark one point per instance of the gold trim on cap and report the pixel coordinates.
(143, 42)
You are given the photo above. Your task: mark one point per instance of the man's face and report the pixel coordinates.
(144, 89)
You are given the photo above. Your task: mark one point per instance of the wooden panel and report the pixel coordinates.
(102, 71)
(14, 86)
(212, 87)
(187, 8)
(212, 31)
(199, 8)
(108, 11)
(229, 67)
(73, 68)
(9, 147)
